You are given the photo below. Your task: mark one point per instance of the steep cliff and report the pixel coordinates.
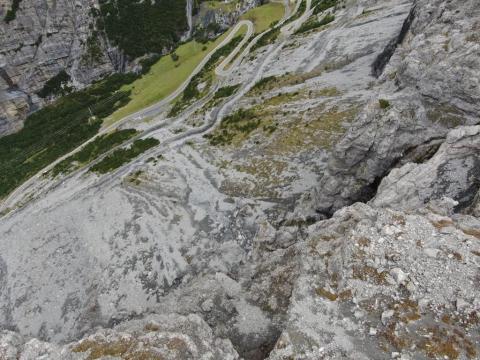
(429, 86)
(43, 39)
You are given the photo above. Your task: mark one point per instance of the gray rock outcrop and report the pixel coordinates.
(159, 260)
(378, 283)
(44, 39)
(154, 337)
(453, 172)
(430, 86)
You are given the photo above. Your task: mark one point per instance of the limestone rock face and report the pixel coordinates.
(453, 172)
(44, 38)
(154, 337)
(431, 85)
(348, 301)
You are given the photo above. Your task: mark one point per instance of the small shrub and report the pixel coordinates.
(226, 91)
(93, 150)
(384, 104)
(264, 82)
(268, 38)
(12, 13)
(313, 24)
(322, 5)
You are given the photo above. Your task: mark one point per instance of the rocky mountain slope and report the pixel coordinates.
(327, 208)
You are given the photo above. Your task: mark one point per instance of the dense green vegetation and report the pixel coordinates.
(122, 156)
(56, 85)
(141, 27)
(226, 91)
(93, 150)
(322, 5)
(12, 12)
(314, 23)
(57, 129)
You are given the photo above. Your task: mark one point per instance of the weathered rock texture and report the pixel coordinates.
(377, 284)
(453, 172)
(44, 38)
(431, 84)
(154, 337)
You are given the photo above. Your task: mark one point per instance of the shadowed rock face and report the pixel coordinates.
(453, 172)
(382, 60)
(431, 84)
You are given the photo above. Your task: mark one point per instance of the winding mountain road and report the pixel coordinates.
(214, 117)
(148, 111)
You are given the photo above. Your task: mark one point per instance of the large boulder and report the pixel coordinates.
(382, 284)
(453, 172)
(170, 336)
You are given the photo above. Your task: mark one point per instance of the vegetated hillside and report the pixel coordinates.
(58, 128)
(141, 27)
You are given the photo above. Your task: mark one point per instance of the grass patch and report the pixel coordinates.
(192, 91)
(320, 133)
(274, 82)
(238, 126)
(93, 150)
(264, 16)
(165, 76)
(57, 129)
(122, 156)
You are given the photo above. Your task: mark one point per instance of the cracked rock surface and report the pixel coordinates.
(342, 227)
(431, 86)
